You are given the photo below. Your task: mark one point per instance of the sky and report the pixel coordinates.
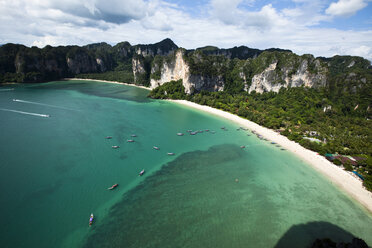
(318, 27)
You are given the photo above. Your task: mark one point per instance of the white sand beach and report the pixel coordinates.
(105, 81)
(347, 181)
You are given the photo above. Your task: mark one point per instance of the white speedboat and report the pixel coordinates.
(113, 186)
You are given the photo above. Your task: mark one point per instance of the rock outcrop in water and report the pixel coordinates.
(208, 68)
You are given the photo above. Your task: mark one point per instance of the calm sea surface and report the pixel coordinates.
(54, 172)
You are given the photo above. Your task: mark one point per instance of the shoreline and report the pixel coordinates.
(106, 81)
(346, 181)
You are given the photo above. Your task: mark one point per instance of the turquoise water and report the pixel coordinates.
(55, 171)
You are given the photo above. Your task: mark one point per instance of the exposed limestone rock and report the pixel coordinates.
(208, 68)
(101, 64)
(178, 69)
(303, 77)
(175, 70)
(144, 52)
(138, 68)
(163, 48)
(271, 80)
(327, 108)
(351, 64)
(263, 82)
(198, 83)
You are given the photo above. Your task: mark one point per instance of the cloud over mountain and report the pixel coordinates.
(304, 26)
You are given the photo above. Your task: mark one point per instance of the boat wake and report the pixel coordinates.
(6, 89)
(42, 104)
(26, 113)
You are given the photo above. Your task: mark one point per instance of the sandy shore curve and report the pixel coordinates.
(106, 81)
(347, 181)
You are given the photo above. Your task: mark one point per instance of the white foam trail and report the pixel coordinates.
(43, 104)
(6, 89)
(26, 113)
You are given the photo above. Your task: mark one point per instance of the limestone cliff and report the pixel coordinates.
(163, 48)
(272, 79)
(209, 68)
(81, 65)
(177, 68)
(139, 69)
(199, 71)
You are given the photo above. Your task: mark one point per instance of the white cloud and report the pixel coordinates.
(362, 51)
(229, 13)
(226, 24)
(346, 7)
(226, 11)
(46, 40)
(306, 12)
(266, 17)
(159, 16)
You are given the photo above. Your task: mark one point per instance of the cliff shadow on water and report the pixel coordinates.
(319, 234)
(167, 208)
(204, 199)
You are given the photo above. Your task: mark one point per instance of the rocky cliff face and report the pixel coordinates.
(200, 72)
(163, 48)
(177, 68)
(273, 80)
(138, 67)
(302, 71)
(81, 64)
(208, 68)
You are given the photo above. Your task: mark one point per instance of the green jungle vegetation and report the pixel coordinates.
(297, 112)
